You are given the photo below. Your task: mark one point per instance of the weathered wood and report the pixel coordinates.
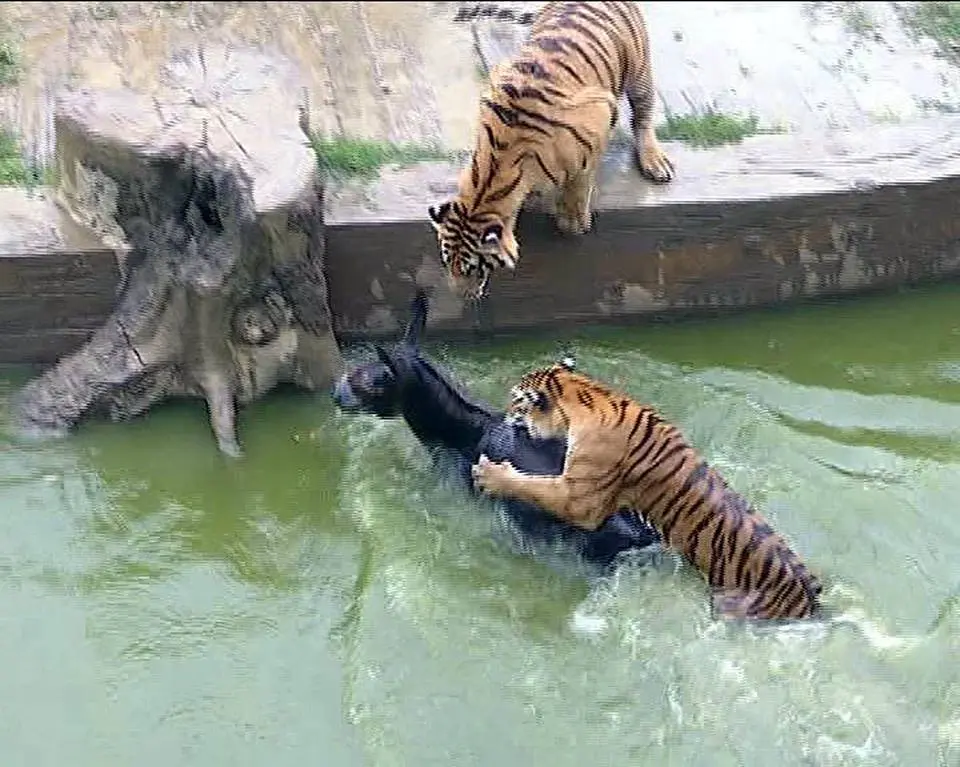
(776, 218)
(211, 192)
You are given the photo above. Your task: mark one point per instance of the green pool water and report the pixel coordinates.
(328, 601)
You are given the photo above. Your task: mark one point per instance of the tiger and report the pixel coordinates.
(625, 454)
(544, 123)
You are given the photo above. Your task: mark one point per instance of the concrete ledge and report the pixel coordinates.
(50, 304)
(776, 218)
(58, 283)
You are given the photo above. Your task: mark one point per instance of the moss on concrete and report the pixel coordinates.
(14, 171)
(10, 62)
(711, 128)
(344, 157)
(938, 21)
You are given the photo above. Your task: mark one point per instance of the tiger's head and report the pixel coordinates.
(471, 248)
(534, 400)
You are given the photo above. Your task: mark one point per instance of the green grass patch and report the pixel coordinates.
(14, 171)
(10, 65)
(938, 21)
(343, 157)
(710, 128)
(857, 19)
(11, 61)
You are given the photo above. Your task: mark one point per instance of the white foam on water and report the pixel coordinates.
(826, 692)
(588, 626)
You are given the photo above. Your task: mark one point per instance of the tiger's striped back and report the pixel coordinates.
(624, 453)
(544, 123)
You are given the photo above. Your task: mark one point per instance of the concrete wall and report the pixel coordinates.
(811, 213)
(50, 304)
(775, 219)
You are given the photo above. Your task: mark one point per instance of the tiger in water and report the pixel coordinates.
(622, 453)
(544, 123)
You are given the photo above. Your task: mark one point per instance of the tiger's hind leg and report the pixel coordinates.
(653, 161)
(737, 604)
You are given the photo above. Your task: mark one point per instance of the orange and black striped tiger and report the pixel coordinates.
(621, 453)
(544, 123)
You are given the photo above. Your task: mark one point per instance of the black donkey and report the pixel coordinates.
(455, 429)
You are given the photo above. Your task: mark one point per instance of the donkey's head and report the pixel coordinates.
(374, 387)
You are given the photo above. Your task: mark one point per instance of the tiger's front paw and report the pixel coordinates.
(574, 226)
(489, 477)
(734, 604)
(655, 164)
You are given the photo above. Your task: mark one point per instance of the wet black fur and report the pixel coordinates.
(456, 430)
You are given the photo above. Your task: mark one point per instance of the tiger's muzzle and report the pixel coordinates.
(470, 288)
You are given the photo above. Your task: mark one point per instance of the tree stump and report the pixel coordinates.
(211, 190)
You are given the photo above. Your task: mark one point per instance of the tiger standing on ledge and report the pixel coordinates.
(621, 453)
(545, 121)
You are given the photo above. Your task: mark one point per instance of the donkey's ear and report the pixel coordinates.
(385, 358)
(419, 309)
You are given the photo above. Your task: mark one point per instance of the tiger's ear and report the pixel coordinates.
(492, 235)
(568, 362)
(439, 213)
